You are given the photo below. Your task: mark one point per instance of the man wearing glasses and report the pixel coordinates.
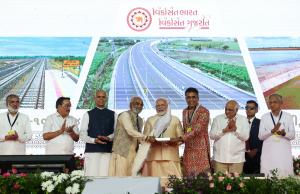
(276, 130)
(253, 144)
(15, 129)
(60, 129)
(229, 132)
(127, 136)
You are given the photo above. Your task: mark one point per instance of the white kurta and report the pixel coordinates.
(276, 150)
(62, 144)
(22, 127)
(95, 164)
(229, 147)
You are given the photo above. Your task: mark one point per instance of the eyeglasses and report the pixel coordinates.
(138, 104)
(250, 108)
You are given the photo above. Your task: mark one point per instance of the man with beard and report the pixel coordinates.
(126, 139)
(97, 128)
(60, 129)
(276, 130)
(163, 158)
(15, 129)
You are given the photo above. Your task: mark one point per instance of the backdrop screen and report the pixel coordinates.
(157, 49)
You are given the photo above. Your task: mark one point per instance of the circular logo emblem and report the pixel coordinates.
(139, 19)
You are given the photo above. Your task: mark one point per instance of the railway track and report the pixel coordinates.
(34, 92)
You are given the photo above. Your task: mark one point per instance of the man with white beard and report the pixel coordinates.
(163, 158)
(126, 139)
(15, 129)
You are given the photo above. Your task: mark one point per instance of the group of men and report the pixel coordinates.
(121, 145)
(251, 145)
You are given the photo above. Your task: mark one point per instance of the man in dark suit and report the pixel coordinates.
(253, 144)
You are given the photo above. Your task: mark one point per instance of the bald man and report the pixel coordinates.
(229, 131)
(276, 130)
(127, 135)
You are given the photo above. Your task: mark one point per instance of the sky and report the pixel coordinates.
(44, 46)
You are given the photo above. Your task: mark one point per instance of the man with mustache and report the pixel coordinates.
(276, 130)
(195, 118)
(60, 129)
(127, 135)
(15, 129)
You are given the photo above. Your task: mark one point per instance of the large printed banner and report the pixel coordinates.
(150, 49)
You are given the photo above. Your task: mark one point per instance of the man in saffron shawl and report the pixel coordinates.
(163, 158)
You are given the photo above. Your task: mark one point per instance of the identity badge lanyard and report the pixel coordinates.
(276, 135)
(190, 119)
(12, 124)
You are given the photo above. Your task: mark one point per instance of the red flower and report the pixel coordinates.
(5, 175)
(17, 186)
(22, 174)
(14, 170)
(81, 162)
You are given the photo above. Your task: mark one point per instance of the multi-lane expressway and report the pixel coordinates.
(144, 71)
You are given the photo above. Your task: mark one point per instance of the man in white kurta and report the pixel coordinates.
(97, 152)
(276, 130)
(60, 129)
(229, 132)
(163, 158)
(15, 129)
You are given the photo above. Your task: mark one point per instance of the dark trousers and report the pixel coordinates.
(252, 166)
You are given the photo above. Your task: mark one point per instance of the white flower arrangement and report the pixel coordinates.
(69, 183)
(47, 184)
(77, 173)
(46, 174)
(74, 189)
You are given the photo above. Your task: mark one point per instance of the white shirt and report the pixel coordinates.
(85, 125)
(250, 121)
(22, 127)
(62, 144)
(229, 147)
(277, 150)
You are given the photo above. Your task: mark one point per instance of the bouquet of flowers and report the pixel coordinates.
(79, 162)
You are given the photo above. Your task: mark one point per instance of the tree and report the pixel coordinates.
(225, 47)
